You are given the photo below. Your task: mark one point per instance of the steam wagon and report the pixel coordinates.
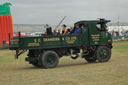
(94, 43)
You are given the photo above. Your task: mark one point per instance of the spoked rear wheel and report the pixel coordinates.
(49, 59)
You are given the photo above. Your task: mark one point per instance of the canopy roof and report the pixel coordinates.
(92, 21)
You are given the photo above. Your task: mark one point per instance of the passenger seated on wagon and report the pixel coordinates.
(64, 29)
(68, 31)
(54, 32)
(77, 29)
(72, 30)
(59, 32)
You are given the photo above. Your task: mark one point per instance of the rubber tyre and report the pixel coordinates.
(49, 59)
(103, 54)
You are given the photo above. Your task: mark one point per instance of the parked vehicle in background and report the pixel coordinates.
(36, 34)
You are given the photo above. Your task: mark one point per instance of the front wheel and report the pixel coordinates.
(49, 59)
(103, 54)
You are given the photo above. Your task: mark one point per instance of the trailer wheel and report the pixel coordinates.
(49, 59)
(103, 54)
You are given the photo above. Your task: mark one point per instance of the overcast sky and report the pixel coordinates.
(52, 11)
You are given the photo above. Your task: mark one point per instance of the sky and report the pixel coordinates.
(52, 11)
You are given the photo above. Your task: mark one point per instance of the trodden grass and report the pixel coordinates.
(68, 72)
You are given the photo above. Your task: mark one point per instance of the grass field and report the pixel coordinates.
(68, 72)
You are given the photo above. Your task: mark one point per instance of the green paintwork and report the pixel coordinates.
(5, 9)
(89, 36)
(40, 43)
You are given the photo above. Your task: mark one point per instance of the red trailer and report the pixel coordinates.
(6, 25)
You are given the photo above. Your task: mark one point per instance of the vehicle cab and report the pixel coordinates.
(94, 32)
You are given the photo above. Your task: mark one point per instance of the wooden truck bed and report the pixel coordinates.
(43, 42)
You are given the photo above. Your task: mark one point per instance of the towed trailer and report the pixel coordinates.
(93, 43)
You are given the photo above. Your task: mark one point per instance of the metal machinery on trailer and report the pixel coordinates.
(93, 43)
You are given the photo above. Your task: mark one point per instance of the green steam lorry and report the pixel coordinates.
(93, 43)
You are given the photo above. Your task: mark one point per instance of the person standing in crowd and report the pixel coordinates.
(64, 29)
